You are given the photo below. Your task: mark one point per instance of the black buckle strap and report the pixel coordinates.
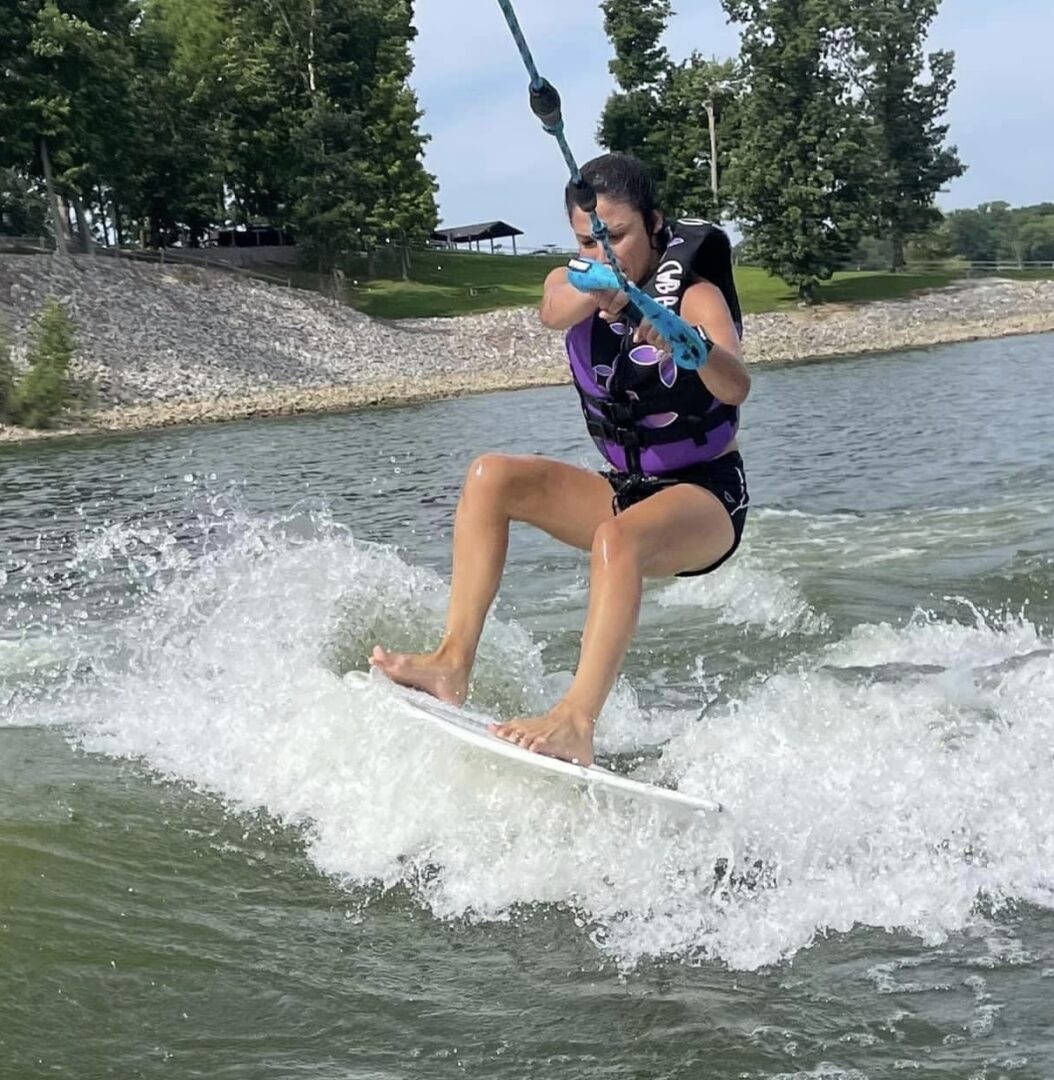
(628, 485)
(624, 434)
(622, 416)
(620, 412)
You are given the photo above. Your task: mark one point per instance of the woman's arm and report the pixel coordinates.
(724, 374)
(564, 306)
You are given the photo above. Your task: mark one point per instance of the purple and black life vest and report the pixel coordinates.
(647, 415)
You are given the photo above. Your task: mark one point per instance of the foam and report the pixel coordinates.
(889, 778)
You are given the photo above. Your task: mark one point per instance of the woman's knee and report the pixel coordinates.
(616, 544)
(564, 501)
(494, 477)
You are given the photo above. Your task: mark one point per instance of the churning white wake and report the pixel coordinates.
(890, 778)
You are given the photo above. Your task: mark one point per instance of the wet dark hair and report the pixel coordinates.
(623, 178)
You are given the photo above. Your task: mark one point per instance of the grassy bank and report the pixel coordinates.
(453, 283)
(461, 283)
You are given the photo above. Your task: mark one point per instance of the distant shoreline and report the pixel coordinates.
(295, 402)
(251, 351)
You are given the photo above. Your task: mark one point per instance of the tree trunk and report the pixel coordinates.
(57, 225)
(154, 225)
(102, 216)
(86, 242)
(807, 291)
(311, 50)
(67, 216)
(897, 251)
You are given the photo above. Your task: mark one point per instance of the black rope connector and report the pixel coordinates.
(583, 194)
(545, 104)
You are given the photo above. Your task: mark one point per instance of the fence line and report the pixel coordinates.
(980, 265)
(163, 256)
(26, 245)
(201, 257)
(41, 245)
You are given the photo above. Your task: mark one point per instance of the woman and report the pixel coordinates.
(674, 502)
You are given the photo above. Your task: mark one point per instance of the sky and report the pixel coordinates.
(493, 160)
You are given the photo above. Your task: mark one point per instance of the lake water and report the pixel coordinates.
(218, 859)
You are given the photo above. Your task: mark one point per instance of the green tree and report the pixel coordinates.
(682, 139)
(635, 28)
(174, 185)
(630, 118)
(28, 111)
(911, 162)
(23, 210)
(402, 207)
(998, 232)
(7, 375)
(322, 124)
(1028, 231)
(981, 235)
(330, 197)
(1034, 232)
(44, 391)
(659, 113)
(67, 71)
(934, 245)
(193, 31)
(267, 91)
(164, 117)
(800, 171)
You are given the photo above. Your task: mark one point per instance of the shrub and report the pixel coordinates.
(7, 376)
(45, 391)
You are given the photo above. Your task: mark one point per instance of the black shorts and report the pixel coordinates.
(724, 477)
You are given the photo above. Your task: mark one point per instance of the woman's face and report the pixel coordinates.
(630, 239)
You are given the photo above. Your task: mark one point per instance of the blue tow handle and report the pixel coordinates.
(688, 349)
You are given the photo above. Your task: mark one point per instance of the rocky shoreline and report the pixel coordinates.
(168, 345)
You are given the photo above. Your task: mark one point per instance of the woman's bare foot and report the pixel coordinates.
(563, 732)
(424, 671)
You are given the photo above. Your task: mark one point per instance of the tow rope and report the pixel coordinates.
(687, 348)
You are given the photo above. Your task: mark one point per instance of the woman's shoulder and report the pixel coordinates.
(704, 292)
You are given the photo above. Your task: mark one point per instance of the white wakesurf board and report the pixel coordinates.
(471, 727)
